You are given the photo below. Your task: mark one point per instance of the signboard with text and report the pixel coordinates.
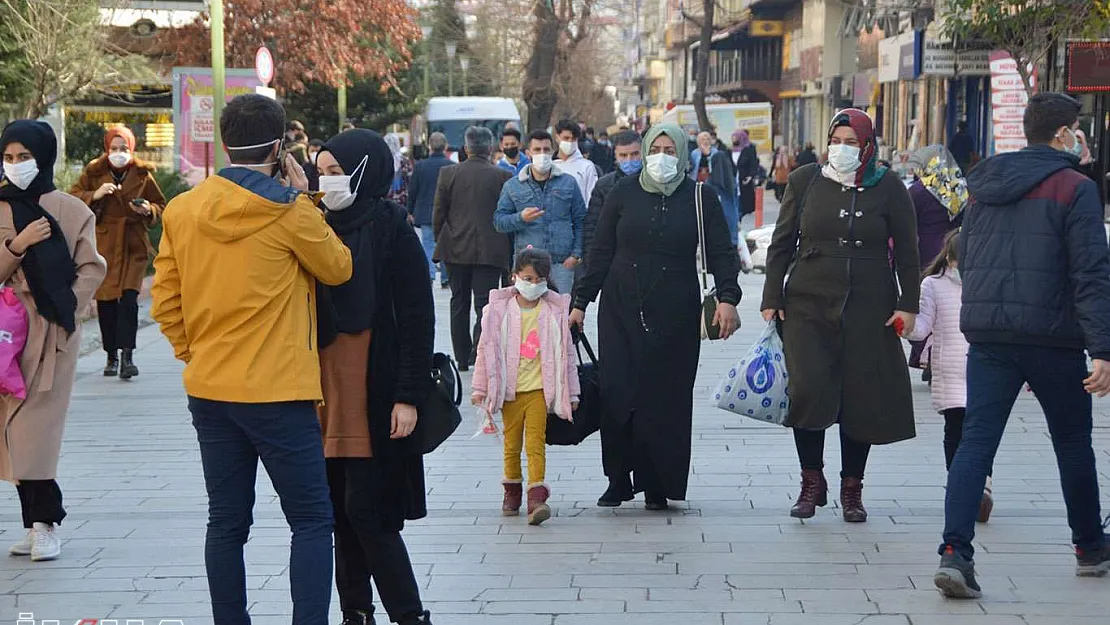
(1008, 99)
(193, 120)
(939, 58)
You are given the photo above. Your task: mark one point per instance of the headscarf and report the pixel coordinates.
(870, 173)
(349, 308)
(395, 148)
(742, 137)
(48, 265)
(119, 131)
(678, 135)
(941, 176)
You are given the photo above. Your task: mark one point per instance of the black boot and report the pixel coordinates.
(417, 619)
(619, 491)
(358, 617)
(127, 368)
(111, 369)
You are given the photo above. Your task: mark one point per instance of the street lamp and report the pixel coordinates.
(464, 63)
(427, 32)
(452, 48)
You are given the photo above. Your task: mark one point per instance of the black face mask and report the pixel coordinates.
(512, 152)
(735, 144)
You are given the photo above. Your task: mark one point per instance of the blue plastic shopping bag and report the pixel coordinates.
(756, 387)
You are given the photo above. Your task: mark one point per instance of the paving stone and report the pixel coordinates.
(133, 543)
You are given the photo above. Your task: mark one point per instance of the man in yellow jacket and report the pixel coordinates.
(235, 294)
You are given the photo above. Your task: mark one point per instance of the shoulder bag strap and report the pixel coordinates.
(702, 256)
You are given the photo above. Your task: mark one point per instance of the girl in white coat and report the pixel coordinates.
(941, 298)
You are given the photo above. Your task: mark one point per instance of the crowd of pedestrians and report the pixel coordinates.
(319, 365)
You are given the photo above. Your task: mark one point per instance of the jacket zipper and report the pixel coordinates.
(308, 307)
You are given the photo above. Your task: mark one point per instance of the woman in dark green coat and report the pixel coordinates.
(846, 300)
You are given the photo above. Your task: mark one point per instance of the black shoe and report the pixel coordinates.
(956, 577)
(619, 491)
(111, 369)
(358, 617)
(1094, 564)
(444, 285)
(127, 368)
(655, 503)
(417, 619)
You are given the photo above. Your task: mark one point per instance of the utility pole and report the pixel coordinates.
(342, 105)
(216, 21)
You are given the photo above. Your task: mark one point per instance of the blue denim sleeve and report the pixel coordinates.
(507, 217)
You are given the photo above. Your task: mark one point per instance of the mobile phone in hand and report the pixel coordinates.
(137, 202)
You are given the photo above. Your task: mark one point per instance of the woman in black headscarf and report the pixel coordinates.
(48, 258)
(376, 335)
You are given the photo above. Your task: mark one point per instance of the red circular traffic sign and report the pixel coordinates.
(264, 65)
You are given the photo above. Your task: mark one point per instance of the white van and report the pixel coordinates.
(452, 116)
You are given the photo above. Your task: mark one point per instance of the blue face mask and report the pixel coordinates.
(631, 168)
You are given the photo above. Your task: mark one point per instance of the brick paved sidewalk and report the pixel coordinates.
(729, 556)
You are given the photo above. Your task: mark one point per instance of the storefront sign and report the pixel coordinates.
(889, 52)
(811, 63)
(938, 58)
(1088, 66)
(863, 88)
(193, 106)
(1006, 84)
(909, 56)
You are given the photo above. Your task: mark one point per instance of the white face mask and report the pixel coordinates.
(541, 163)
(844, 158)
(530, 291)
(661, 167)
(22, 174)
(568, 147)
(119, 160)
(337, 190)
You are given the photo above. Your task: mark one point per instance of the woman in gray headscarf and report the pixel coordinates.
(402, 168)
(643, 260)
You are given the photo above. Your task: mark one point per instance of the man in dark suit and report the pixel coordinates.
(476, 255)
(422, 193)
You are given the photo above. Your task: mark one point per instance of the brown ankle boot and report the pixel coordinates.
(815, 493)
(514, 496)
(851, 500)
(538, 511)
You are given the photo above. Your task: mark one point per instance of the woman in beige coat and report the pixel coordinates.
(48, 256)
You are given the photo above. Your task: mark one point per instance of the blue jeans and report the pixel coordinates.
(995, 376)
(428, 239)
(286, 437)
(562, 278)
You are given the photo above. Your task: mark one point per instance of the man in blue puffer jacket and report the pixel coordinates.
(1036, 293)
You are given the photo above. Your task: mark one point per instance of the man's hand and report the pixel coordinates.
(1098, 383)
(297, 178)
(36, 232)
(727, 319)
(771, 313)
(577, 318)
(404, 421)
(108, 188)
(531, 214)
(571, 262)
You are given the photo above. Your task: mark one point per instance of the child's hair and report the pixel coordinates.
(949, 252)
(540, 262)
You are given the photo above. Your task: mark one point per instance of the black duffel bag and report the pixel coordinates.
(438, 414)
(587, 419)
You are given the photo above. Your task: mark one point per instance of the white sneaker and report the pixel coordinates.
(23, 547)
(47, 546)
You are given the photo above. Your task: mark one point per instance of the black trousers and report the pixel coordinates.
(470, 286)
(119, 321)
(811, 452)
(41, 502)
(362, 550)
(953, 433)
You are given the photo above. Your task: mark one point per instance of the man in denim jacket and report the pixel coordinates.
(543, 208)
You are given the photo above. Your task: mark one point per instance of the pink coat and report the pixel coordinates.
(941, 297)
(498, 361)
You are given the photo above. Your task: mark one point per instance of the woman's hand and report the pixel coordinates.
(108, 188)
(144, 209)
(727, 319)
(404, 420)
(906, 320)
(477, 399)
(36, 232)
(577, 318)
(771, 313)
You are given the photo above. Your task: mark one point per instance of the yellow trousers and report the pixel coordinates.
(525, 428)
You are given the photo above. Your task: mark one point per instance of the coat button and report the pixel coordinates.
(843, 213)
(842, 242)
(859, 213)
(859, 243)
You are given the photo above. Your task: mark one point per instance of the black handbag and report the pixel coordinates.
(438, 414)
(587, 419)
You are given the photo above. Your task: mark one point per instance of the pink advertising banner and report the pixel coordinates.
(193, 121)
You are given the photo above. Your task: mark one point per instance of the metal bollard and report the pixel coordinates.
(759, 206)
